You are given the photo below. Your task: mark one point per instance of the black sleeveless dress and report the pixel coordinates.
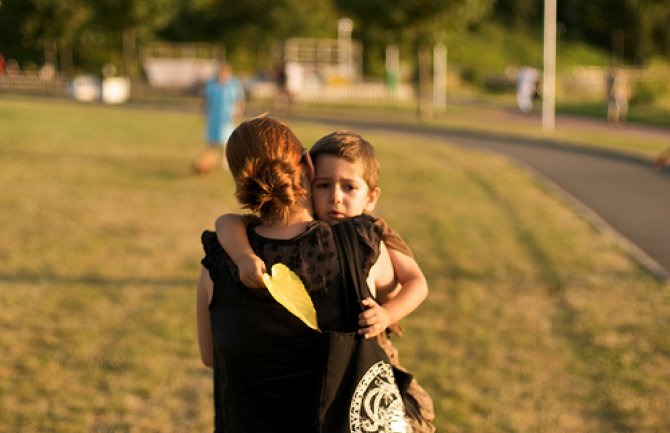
(266, 361)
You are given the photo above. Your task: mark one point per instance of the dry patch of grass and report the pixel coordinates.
(535, 322)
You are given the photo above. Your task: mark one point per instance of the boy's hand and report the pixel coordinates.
(251, 270)
(374, 320)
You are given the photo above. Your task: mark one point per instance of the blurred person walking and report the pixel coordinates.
(617, 96)
(526, 89)
(224, 106)
(283, 98)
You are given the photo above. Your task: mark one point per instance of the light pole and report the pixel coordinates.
(344, 28)
(549, 75)
(440, 77)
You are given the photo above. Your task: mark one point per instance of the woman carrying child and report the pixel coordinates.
(346, 185)
(266, 362)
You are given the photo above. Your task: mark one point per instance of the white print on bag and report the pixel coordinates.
(376, 406)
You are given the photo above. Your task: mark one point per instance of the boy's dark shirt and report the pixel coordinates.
(392, 239)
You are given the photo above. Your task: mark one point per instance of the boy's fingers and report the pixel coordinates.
(368, 315)
(368, 321)
(368, 302)
(369, 332)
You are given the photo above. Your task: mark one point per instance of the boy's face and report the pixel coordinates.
(339, 190)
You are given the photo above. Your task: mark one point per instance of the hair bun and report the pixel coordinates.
(269, 187)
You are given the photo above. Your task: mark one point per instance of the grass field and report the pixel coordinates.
(536, 322)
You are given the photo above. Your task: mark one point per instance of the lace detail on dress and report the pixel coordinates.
(312, 255)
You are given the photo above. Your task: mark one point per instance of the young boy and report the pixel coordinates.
(346, 185)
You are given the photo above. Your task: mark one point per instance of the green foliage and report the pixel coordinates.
(37, 25)
(90, 32)
(519, 13)
(572, 53)
(416, 20)
(647, 92)
(261, 22)
(56, 20)
(12, 16)
(250, 31)
(489, 50)
(636, 29)
(482, 55)
(144, 16)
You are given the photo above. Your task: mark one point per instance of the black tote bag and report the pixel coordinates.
(362, 392)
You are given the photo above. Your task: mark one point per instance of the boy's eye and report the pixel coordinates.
(321, 185)
(349, 187)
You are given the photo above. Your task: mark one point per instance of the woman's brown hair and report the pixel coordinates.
(265, 159)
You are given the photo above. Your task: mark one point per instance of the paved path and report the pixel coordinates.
(622, 191)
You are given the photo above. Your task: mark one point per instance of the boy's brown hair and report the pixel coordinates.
(353, 148)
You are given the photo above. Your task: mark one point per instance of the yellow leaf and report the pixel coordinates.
(287, 289)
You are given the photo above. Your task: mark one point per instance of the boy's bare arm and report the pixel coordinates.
(231, 231)
(411, 281)
(397, 301)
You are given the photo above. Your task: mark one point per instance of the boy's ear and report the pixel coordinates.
(373, 197)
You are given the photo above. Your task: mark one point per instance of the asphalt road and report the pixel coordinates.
(621, 192)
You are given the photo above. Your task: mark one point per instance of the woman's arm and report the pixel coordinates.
(203, 297)
(231, 231)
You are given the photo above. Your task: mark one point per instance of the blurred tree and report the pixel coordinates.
(13, 13)
(520, 13)
(256, 26)
(49, 26)
(639, 27)
(80, 33)
(650, 28)
(423, 22)
(193, 21)
(132, 20)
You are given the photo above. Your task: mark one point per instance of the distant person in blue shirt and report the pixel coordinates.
(224, 105)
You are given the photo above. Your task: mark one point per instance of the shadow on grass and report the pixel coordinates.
(100, 281)
(596, 362)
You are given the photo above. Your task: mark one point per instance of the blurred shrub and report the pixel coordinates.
(647, 92)
(469, 74)
(499, 84)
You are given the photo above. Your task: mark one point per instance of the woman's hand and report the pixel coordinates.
(374, 320)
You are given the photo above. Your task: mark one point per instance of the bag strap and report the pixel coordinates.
(351, 261)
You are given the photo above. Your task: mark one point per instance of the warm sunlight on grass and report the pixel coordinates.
(536, 322)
